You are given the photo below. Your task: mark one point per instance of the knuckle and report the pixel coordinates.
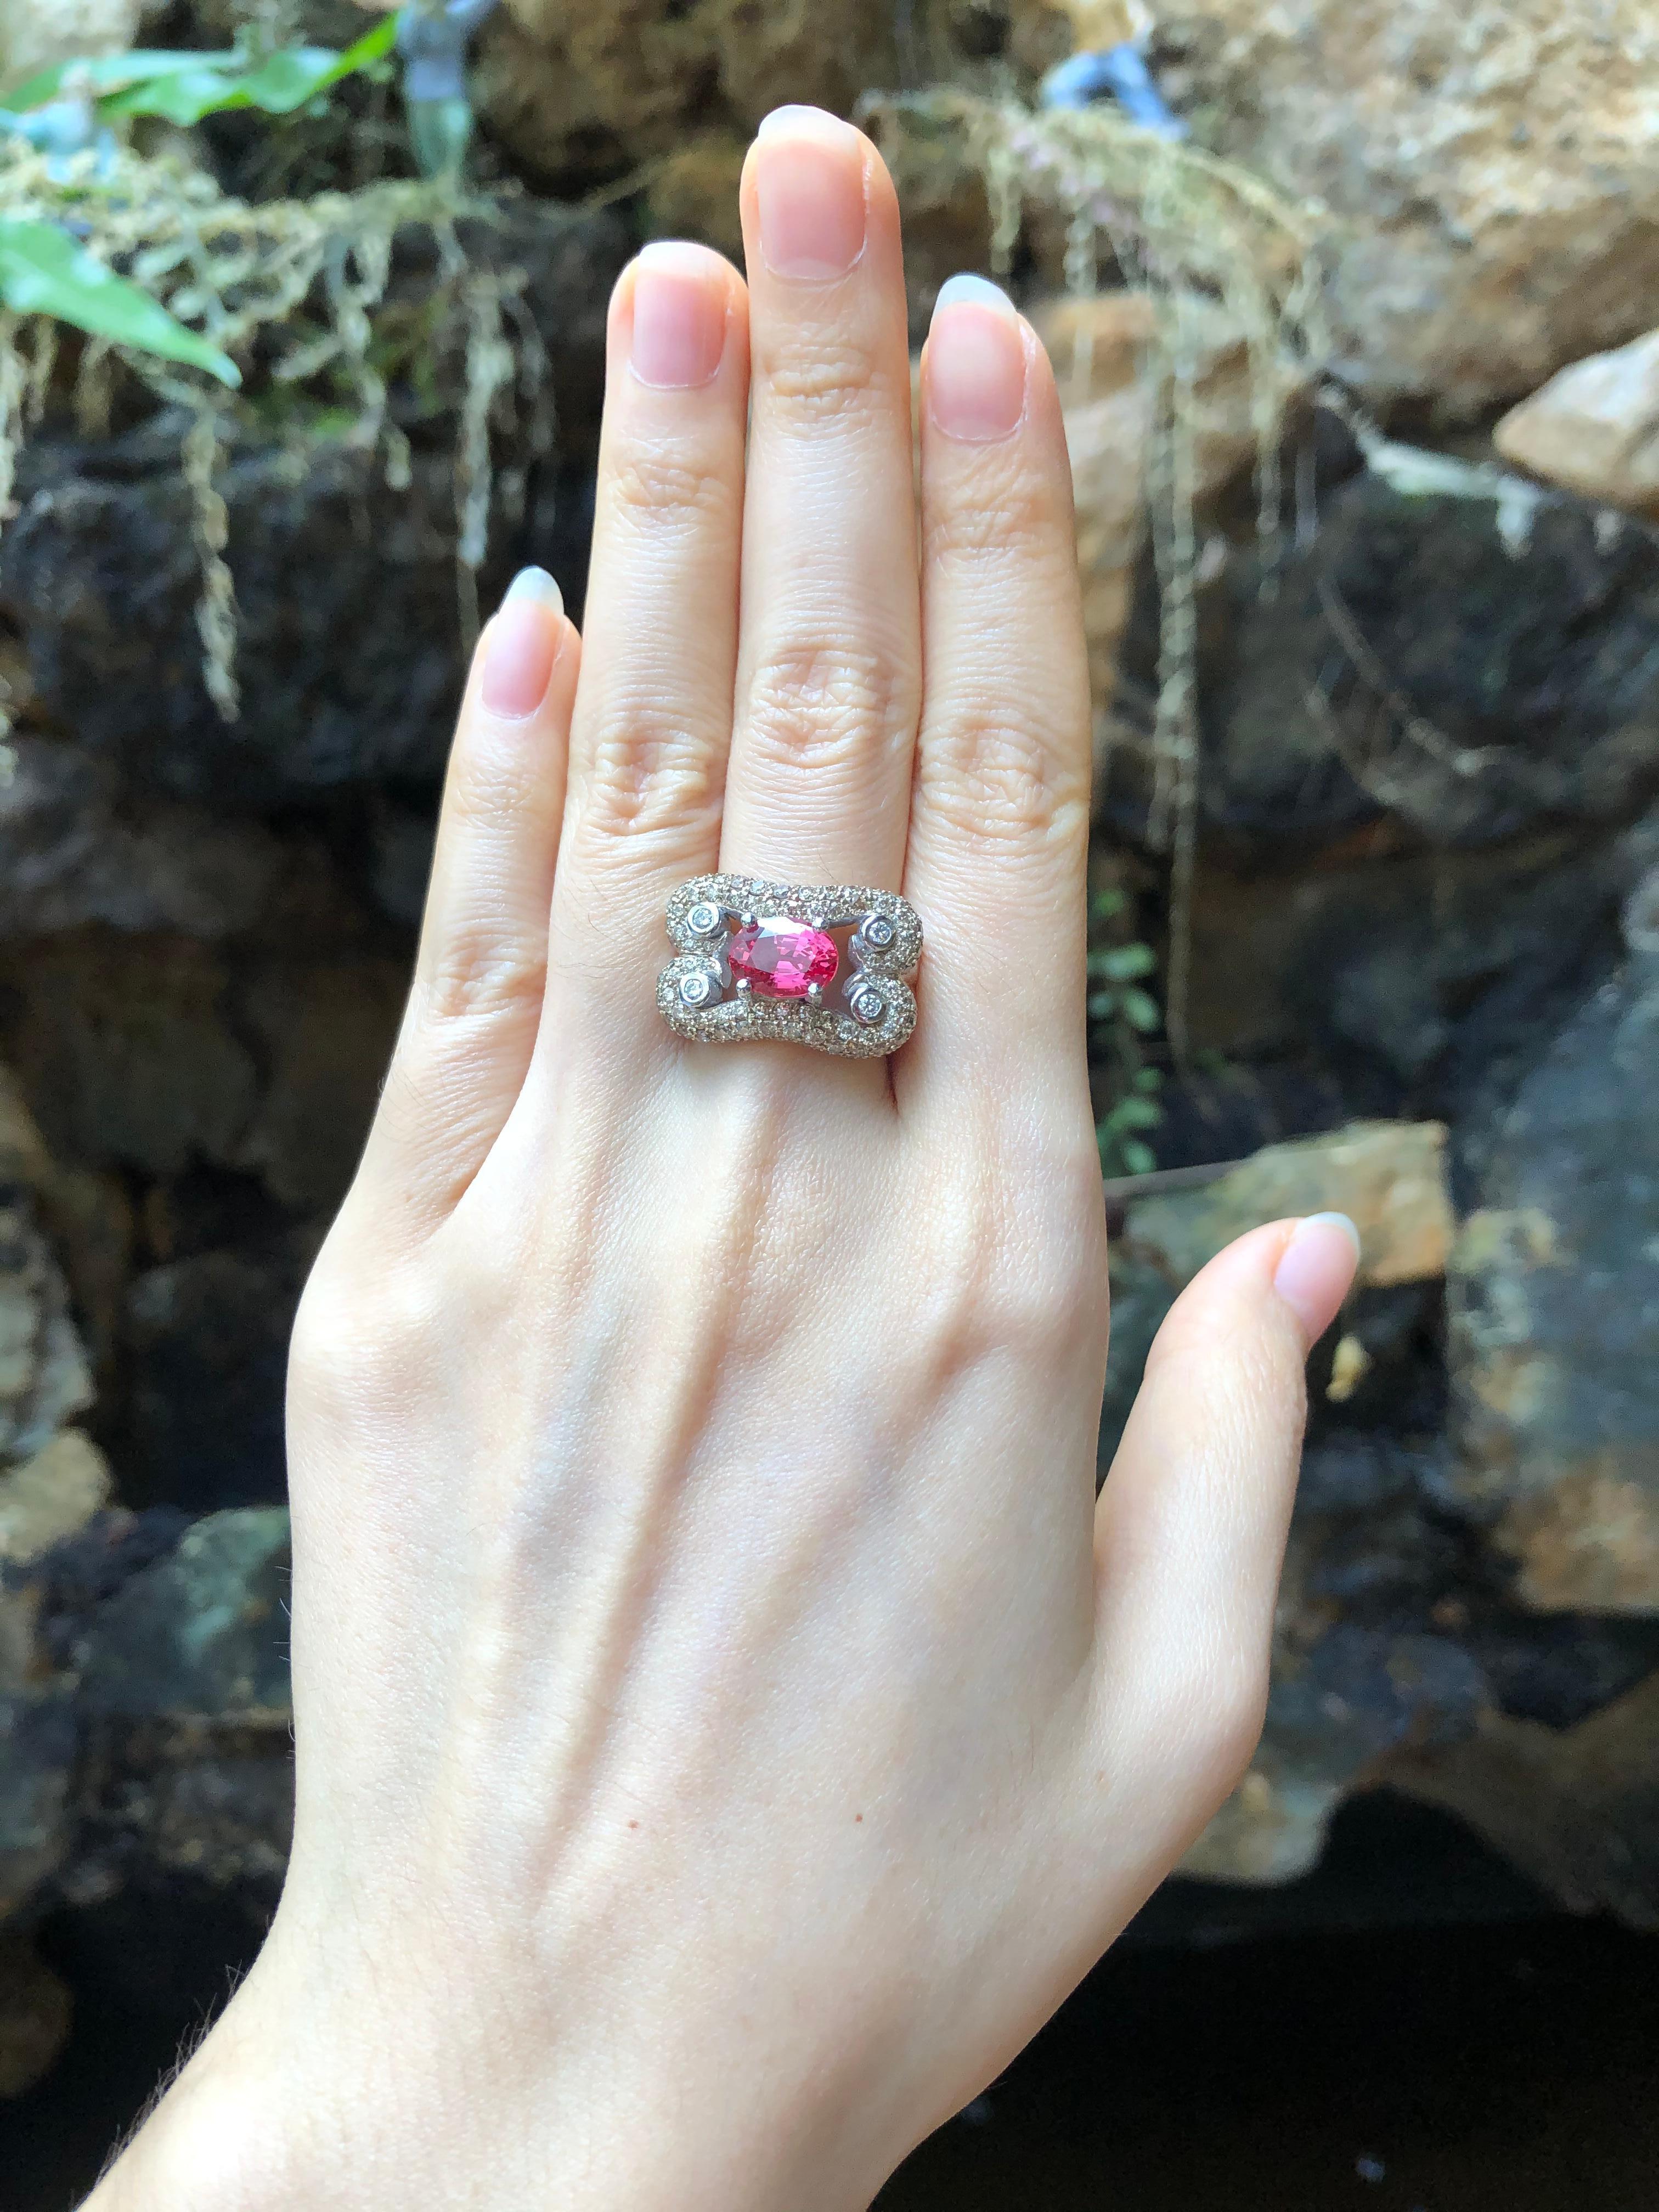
(1232, 1712)
(825, 699)
(643, 769)
(1015, 525)
(999, 771)
(664, 491)
(991, 1289)
(814, 377)
(363, 1333)
(477, 974)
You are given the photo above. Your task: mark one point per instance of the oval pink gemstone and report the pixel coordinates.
(780, 956)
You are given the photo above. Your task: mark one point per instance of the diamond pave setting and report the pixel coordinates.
(825, 965)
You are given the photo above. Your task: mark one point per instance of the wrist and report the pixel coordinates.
(274, 2114)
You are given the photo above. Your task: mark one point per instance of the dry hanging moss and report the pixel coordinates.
(1185, 229)
(298, 292)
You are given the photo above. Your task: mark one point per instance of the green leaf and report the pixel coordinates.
(1102, 1005)
(1138, 1158)
(182, 87)
(45, 271)
(1102, 905)
(1140, 1012)
(1123, 963)
(1149, 1078)
(1137, 1113)
(111, 73)
(289, 79)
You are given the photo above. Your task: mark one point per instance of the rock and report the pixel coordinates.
(203, 1633)
(52, 1495)
(1554, 1314)
(44, 1381)
(1389, 1177)
(1142, 1294)
(1578, 1808)
(208, 1343)
(590, 92)
(215, 1802)
(1593, 429)
(348, 646)
(161, 1745)
(35, 2009)
(100, 569)
(1334, 1714)
(1406, 660)
(37, 1754)
(1099, 346)
(1490, 175)
(129, 1054)
(1419, 983)
(328, 1031)
(692, 191)
(23, 1158)
(72, 853)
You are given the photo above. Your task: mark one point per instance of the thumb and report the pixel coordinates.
(1190, 1528)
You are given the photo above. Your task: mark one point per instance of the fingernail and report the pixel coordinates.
(809, 187)
(679, 316)
(1316, 1269)
(521, 646)
(535, 584)
(976, 361)
(955, 290)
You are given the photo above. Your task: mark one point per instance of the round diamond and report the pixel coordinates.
(868, 1008)
(694, 989)
(878, 931)
(703, 919)
(782, 957)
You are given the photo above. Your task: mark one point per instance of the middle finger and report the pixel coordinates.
(829, 658)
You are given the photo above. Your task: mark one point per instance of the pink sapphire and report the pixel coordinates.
(782, 958)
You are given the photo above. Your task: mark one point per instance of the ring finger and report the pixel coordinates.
(653, 707)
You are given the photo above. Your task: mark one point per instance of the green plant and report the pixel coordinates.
(297, 290)
(182, 87)
(1122, 1016)
(45, 271)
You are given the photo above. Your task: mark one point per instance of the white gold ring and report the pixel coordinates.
(824, 965)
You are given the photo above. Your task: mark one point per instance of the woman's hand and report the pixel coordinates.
(726, 1725)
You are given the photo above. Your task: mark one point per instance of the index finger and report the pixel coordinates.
(999, 818)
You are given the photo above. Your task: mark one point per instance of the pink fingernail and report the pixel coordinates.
(975, 362)
(808, 189)
(1316, 1269)
(679, 316)
(521, 646)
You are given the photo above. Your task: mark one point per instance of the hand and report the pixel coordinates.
(726, 1726)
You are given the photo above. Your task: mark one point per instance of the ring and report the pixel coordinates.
(824, 965)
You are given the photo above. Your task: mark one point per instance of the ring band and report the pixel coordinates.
(823, 964)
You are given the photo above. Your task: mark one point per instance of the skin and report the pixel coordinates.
(727, 1724)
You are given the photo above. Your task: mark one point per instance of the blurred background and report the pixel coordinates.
(302, 309)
